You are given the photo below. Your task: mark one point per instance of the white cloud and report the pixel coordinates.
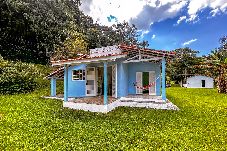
(153, 36)
(143, 13)
(144, 32)
(189, 42)
(196, 6)
(181, 19)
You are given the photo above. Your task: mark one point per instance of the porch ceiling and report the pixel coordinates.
(87, 59)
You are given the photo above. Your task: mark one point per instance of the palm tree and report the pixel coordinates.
(218, 62)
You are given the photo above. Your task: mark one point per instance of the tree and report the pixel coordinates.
(183, 64)
(217, 65)
(34, 31)
(31, 29)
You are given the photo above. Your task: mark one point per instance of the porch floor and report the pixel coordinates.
(94, 100)
(95, 104)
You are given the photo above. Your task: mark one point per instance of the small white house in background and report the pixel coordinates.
(199, 81)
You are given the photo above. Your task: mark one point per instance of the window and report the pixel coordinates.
(203, 83)
(78, 75)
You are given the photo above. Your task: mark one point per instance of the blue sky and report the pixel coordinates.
(207, 31)
(166, 24)
(170, 36)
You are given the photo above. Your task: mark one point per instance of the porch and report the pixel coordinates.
(95, 104)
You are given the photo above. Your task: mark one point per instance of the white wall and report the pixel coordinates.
(196, 82)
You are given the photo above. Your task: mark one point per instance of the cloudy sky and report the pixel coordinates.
(166, 24)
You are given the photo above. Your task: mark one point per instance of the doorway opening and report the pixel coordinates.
(100, 81)
(145, 83)
(203, 83)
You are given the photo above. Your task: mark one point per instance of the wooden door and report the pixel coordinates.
(139, 82)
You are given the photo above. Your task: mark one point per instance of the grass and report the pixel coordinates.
(28, 122)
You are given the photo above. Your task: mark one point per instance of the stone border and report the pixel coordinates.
(157, 104)
(118, 103)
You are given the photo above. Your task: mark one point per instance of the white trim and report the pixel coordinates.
(140, 58)
(84, 61)
(78, 70)
(96, 80)
(141, 82)
(154, 81)
(95, 93)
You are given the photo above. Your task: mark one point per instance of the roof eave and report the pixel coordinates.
(91, 60)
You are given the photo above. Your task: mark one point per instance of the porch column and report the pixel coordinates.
(53, 87)
(105, 84)
(66, 83)
(163, 79)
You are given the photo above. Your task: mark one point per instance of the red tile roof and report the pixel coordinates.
(59, 73)
(126, 50)
(160, 53)
(86, 57)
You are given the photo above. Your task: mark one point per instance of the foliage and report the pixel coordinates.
(126, 33)
(73, 45)
(183, 64)
(29, 122)
(34, 31)
(217, 65)
(31, 29)
(18, 77)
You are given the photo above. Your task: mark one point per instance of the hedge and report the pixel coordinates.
(19, 77)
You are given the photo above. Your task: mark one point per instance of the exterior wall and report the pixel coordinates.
(122, 79)
(76, 88)
(126, 76)
(196, 82)
(143, 67)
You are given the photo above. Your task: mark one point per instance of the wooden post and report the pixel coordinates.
(163, 79)
(53, 87)
(105, 84)
(66, 83)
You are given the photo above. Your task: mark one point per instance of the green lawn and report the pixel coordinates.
(28, 122)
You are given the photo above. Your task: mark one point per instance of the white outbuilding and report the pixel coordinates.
(199, 81)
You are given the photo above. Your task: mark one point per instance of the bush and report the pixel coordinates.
(19, 77)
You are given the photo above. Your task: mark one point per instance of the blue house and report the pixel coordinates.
(113, 71)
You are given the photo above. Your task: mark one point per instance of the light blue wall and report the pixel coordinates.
(142, 67)
(126, 76)
(122, 79)
(76, 88)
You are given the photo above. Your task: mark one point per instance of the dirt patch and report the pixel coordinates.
(94, 100)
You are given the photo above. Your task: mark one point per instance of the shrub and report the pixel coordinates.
(19, 77)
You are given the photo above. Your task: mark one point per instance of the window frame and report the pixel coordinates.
(80, 71)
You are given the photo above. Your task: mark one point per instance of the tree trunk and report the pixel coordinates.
(222, 83)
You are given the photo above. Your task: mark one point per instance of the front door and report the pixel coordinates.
(152, 83)
(139, 82)
(90, 82)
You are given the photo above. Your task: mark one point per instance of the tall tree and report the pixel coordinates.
(183, 64)
(31, 29)
(216, 64)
